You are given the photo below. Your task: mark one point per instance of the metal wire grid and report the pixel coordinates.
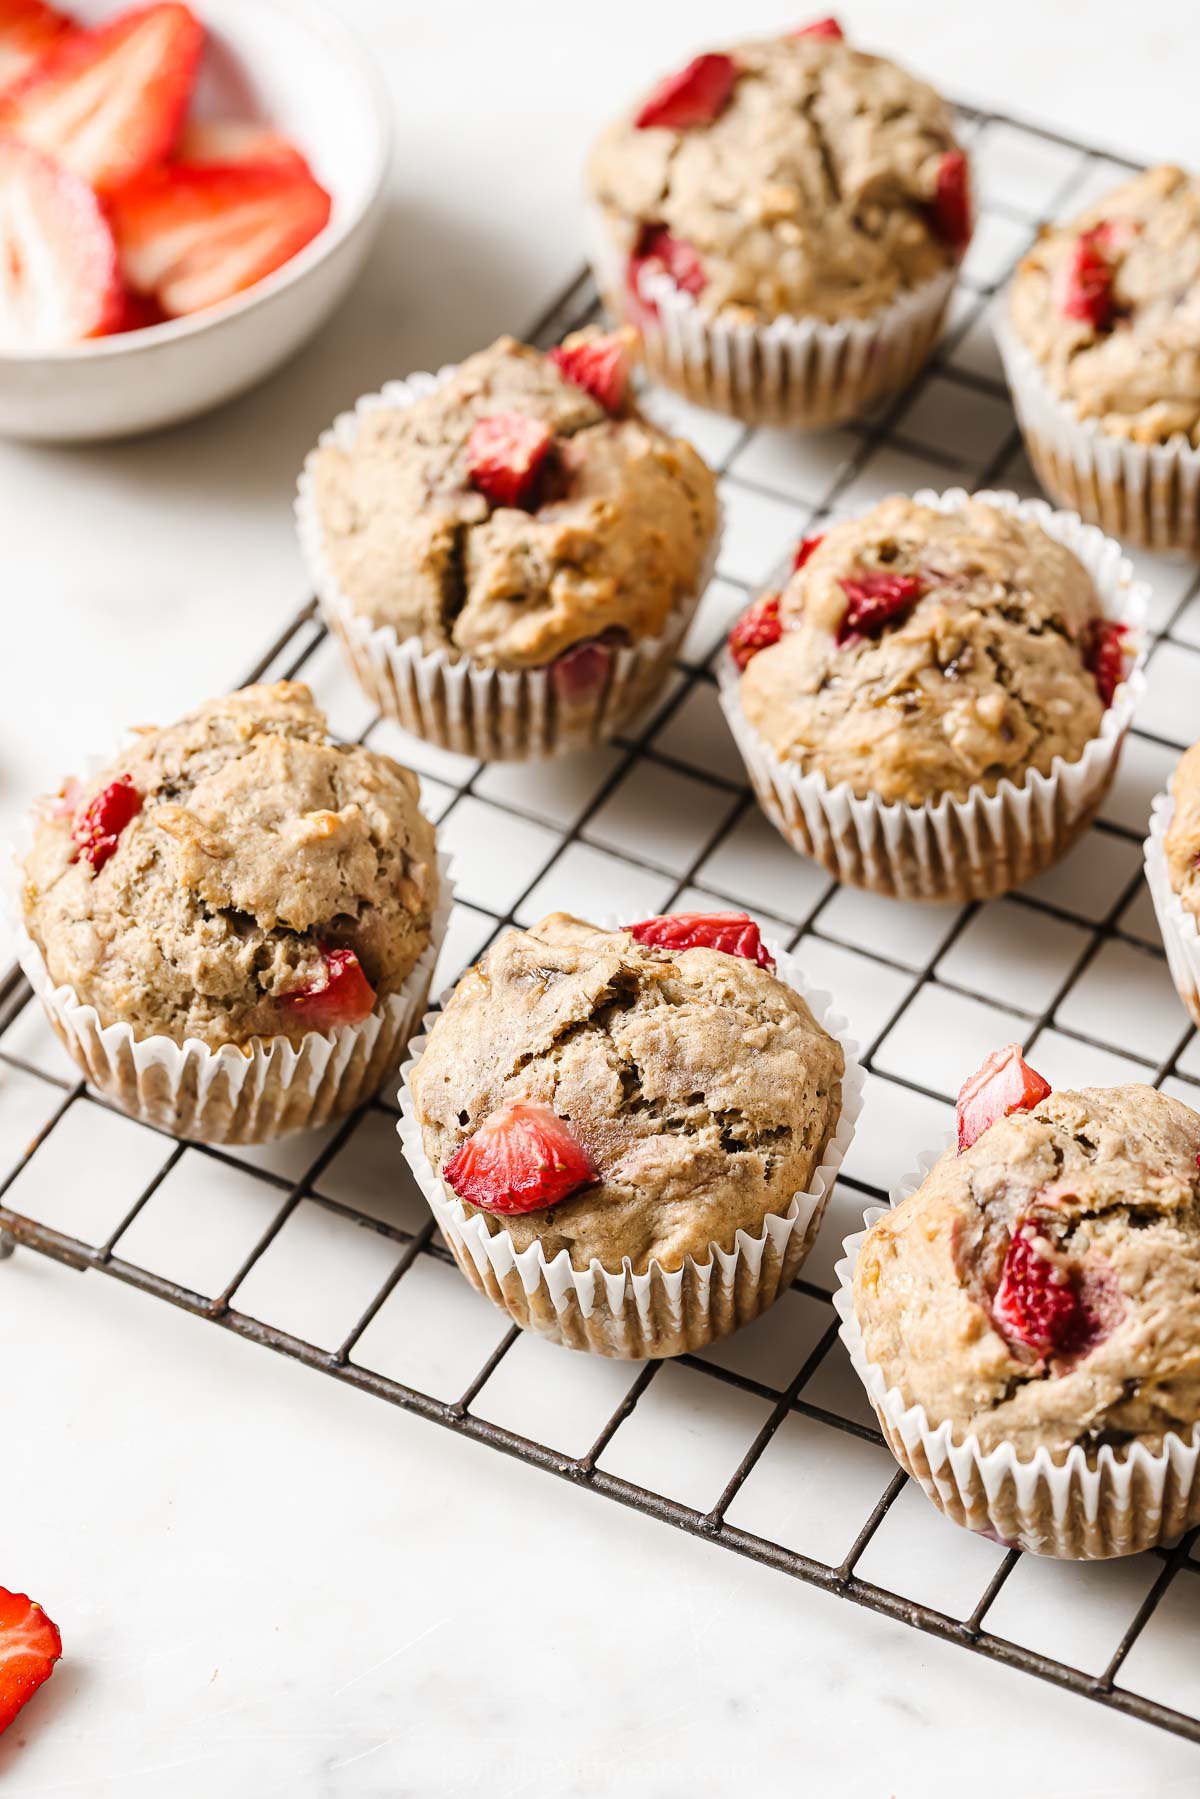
(289, 657)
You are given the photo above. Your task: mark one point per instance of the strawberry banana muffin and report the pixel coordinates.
(251, 904)
(629, 1102)
(527, 547)
(782, 223)
(918, 656)
(1102, 348)
(1037, 1294)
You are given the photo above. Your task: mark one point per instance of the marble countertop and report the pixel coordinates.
(269, 1583)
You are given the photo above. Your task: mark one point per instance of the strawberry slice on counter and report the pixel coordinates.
(59, 281)
(694, 96)
(29, 29)
(194, 235)
(758, 628)
(1005, 1084)
(804, 549)
(873, 600)
(599, 362)
(206, 141)
(521, 1159)
(98, 827)
(30, 1645)
(733, 933)
(826, 28)
(505, 456)
(953, 214)
(1104, 656)
(1039, 1302)
(343, 994)
(109, 103)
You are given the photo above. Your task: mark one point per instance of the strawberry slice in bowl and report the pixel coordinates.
(59, 280)
(29, 30)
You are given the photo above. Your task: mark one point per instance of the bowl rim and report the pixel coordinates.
(344, 223)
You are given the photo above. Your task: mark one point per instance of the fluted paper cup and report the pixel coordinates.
(1145, 494)
(493, 714)
(803, 372)
(1180, 935)
(987, 843)
(660, 1312)
(1083, 1508)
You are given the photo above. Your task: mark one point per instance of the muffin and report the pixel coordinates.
(233, 926)
(933, 704)
(1026, 1319)
(1173, 874)
(509, 552)
(628, 1136)
(782, 223)
(1102, 351)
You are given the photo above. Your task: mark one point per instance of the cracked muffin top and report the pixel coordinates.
(1110, 307)
(520, 509)
(621, 1099)
(794, 176)
(1182, 840)
(236, 875)
(1042, 1287)
(916, 653)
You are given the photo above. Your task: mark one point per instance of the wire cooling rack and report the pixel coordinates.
(321, 1249)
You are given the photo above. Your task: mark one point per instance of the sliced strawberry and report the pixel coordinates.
(758, 628)
(1039, 1302)
(98, 827)
(1104, 656)
(1087, 284)
(58, 264)
(580, 671)
(1005, 1083)
(599, 362)
(695, 96)
(521, 1158)
(734, 933)
(874, 600)
(827, 28)
(138, 312)
(206, 141)
(29, 1647)
(804, 550)
(109, 103)
(953, 215)
(342, 994)
(658, 251)
(29, 30)
(505, 456)
(194, 236)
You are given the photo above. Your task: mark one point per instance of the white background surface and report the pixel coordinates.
(269, 1584)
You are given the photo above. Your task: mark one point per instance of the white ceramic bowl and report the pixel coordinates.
(289, 62)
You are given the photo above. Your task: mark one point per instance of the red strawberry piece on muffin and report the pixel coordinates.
(733, 933)
(1087, 286)
(342, 995)
(30, 1645)
(599, 362)
(1040, 1301)
(821, 28)
(505, 456)
(1004, 1084)
(806, 548)
(695, 96)
(98, 828)
(659, 252)
(1105, 656)
(521, 1159)
(758, 628)
(874, 600)
(952, 210)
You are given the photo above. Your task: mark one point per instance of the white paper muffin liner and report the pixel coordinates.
(1145, 494)
(661, 1312)
(803, 372)
(956, 850)
(495, 715)
(1078, 1510)
(253, 1094)
(1180, 935)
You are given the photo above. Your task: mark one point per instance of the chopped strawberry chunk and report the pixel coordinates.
(874, 600)
(98, 827)
(109, 103)
(521, 1158)
(59, 281)
(953, 216)
(29, 1647)
(230, 141)
(1104, 656)
(734, 933)
(1087, 285)
(579, 671)
(193, 235)
(1039, 1302)
(804, 550)
(1005, 1084)
(598, 362)
(827, 28)
(505, 456)
(342, 994)
(29, 29)
(661, 253)
(758, 628)
(695, 96)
